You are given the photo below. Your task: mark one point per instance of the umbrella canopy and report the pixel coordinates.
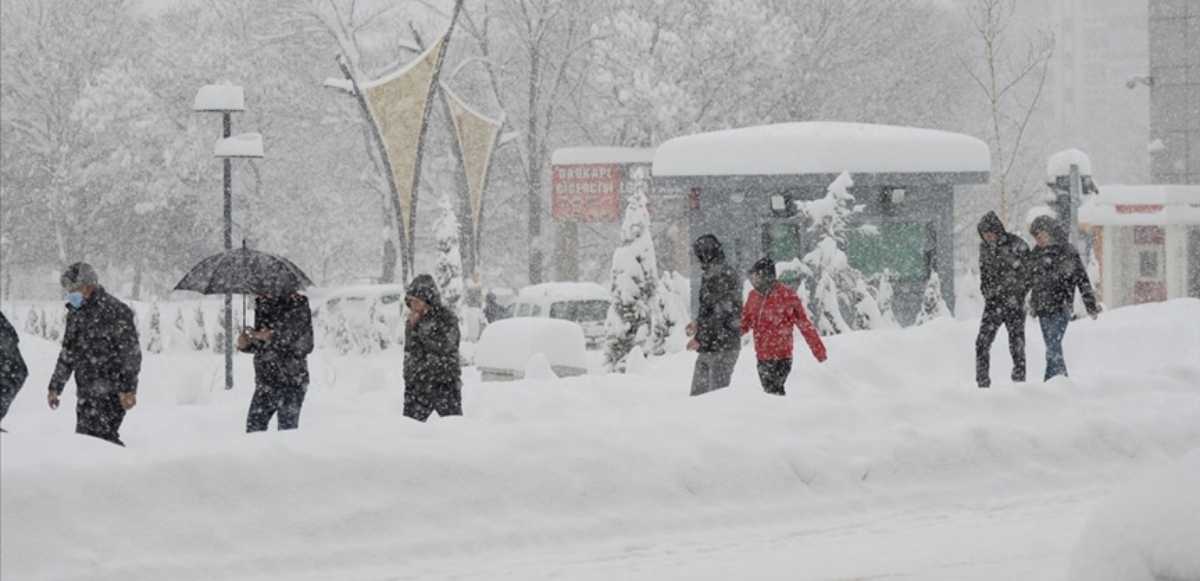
(245, 272)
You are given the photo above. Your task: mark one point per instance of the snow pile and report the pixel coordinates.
(1149, 531)
(1060, 164)
(537, 467)
(821, 148)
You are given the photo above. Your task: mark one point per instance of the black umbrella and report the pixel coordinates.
(245, 272)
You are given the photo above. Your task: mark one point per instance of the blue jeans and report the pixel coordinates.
(1054, 327)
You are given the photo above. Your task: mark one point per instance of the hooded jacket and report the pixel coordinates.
(1003, 265)
(718, 324)
(772, 316)
(12, 366)
(431, 358)
(100, 348)
(283, 360)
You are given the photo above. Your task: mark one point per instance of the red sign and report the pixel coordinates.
(586, 193)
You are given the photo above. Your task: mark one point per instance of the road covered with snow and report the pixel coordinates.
(885, 462)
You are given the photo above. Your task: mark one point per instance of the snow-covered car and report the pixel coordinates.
(585, 303)
(506, 348)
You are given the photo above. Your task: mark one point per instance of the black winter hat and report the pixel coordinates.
(764, 266)
(425, 288)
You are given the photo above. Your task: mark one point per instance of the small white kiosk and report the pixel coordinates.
(1147, 242)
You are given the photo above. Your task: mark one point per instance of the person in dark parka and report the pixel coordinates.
(281, 340)
(432, 373)
(1055, 271)
(1003, 280)
(12, 366)
(100, 348)
(717, 329)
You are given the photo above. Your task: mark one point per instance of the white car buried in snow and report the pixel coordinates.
(510, 349)
(585, 303)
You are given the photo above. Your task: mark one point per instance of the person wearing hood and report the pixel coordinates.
(716, 332)
(1003, 281)
(1055, 272)
(281, 340)
(12, 366)
(771, 312)
(432, 373)
(100, 348)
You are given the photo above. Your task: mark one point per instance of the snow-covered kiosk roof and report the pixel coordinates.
(601, 155)
(824, 148)
(1147, 205)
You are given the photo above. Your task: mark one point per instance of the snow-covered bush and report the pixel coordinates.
(672, 297)
(199, 331)
(933, 306)
(837, 293)
(448, 270)
(634, 309)
(154, 340)
(884, 299)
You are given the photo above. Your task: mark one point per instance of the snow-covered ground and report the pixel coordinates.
(885, 462)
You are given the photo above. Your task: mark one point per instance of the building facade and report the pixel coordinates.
(1174, 27)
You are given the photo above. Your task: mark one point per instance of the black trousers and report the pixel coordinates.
(100, 416)
(272, 400)
(773, 374)
(420, 401)
(995, 315)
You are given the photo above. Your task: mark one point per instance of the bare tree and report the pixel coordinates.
(1011, 79)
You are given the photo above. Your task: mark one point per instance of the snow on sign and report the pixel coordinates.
(586, 193)
(219, 98)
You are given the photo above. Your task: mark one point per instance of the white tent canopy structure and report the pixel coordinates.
(601, 155)
(821, 148)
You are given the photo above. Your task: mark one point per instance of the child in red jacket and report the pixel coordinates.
(771, 312)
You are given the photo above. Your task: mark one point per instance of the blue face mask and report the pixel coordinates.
(75, 298)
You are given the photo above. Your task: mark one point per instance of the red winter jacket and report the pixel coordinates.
(772, 318)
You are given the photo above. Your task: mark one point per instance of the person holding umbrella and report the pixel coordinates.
(100, 348)
(282, 336)
(281, 340)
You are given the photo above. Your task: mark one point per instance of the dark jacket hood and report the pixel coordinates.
(1049, 224)
(991, 223)
(425, 288)
(708, 249)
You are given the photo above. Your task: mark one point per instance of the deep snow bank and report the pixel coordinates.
(892, 416)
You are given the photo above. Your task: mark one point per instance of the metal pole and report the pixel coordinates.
(226, 123)
(1072, 216)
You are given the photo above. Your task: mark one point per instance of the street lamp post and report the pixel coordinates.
(227, 99)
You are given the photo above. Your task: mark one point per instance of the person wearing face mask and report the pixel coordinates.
(771, 312)
(1004, 282)
(100, 348)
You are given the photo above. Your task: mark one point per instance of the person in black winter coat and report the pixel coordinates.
(432, 372)
(717, 333)
(1003, 280)
(12, 366)
(100, 348)
(1055, 271)
(281, 340)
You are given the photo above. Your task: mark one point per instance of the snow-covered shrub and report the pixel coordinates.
(448, 270)
(933, 306)
(33, 322)
(672, 297)
(179, 334)
(634, 307)
(154, 340)
(884, 299)
(199, 330)
(836, 292)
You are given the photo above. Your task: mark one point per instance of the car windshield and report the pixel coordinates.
(579, 311)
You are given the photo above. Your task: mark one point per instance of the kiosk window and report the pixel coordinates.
(781, 241)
